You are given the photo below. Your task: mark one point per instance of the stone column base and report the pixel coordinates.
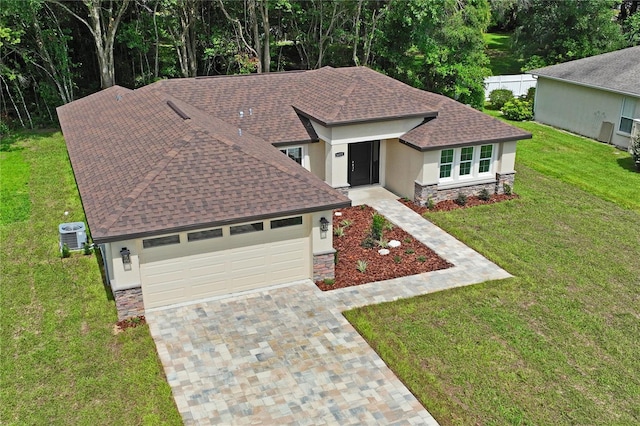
(129, 303)
(423, 193)
(504, 178)
(324, 266)
(344, 190)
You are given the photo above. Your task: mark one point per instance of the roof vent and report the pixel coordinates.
(72, 234)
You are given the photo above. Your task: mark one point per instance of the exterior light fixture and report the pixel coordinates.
(126, 256)
(324, 224)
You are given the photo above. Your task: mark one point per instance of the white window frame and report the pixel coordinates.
(475, 165)
(285, 151)
(630, 117)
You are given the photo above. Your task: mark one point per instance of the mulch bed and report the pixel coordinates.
(131, 322)
(401, 261)
(448, 205)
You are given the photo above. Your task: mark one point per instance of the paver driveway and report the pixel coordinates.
(286, 355)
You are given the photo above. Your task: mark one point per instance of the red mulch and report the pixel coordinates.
(131, 322)
(378, 267)
(448, 205)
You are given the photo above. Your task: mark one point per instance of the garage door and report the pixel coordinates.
(205, 275)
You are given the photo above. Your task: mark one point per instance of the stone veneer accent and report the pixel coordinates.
(422, 193)
(324, 266)
(129, 303)
(344, 190)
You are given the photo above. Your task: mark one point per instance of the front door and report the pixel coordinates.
(364, 160)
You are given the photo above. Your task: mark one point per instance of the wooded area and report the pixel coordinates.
(55, 51)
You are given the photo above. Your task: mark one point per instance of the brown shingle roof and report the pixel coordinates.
(142, 169)
(168, 156)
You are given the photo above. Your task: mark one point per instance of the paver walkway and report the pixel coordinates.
(286, 355)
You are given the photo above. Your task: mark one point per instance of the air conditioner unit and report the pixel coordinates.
(72, 234)
(635, 128)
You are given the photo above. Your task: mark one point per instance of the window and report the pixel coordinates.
(294, 152)
(446, 163)
(290, 221)
(243, 229)
(161, 241)
(204, 235)
(466, 163)
(466, 160)
(486, 153)
(626, 116)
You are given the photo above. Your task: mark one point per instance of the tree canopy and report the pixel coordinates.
(54, 51)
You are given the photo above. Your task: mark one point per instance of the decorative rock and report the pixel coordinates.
(338, 213)
(383, 252)
(394, 243)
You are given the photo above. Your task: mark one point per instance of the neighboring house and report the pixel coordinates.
(188, 193)
(597, 97)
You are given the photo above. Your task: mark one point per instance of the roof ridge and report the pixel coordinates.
(133, 195)
(343, 98)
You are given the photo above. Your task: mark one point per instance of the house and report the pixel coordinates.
(188, 194)
(597, 97)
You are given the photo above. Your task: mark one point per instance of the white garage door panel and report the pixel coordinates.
(211, 274)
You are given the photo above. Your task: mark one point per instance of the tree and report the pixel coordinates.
(559, 31)
(103, 18)
(437, 45)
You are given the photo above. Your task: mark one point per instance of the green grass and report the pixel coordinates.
(600, 169)
(557, 344)
(503, 61)
(61, 363)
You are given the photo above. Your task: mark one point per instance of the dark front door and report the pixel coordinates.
(364, 159)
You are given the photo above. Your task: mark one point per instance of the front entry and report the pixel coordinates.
(364, 163)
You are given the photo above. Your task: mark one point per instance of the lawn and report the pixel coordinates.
(61, 363)
(502, 59)
(557, 344)
(600, 169)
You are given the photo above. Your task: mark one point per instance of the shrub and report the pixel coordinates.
(517, 110)
(368, 242)
(530, 96)
(421, 259)
(347, 222)
(409, 251)
(388, 225)
(407, 240)
(461, 199)
(377, 225)
(382, 243)
(430, 204)
(338, 231)
(499, 97)
(86, 249)
(507, 189)
(361, 266)
(335, 258)
(397, 259)
(329, 281)
(65, 251)
(484, 195)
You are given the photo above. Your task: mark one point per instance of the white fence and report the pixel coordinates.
(518, 84)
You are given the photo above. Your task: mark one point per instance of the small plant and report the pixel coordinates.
(518, 110)
(499, 97)
(461, 199)
(409, 251)
(329, 281)
(65, 251)
(382, 243)
(361, 266)
(345, 223)
(335, 258)
(430, 204)
(397, 259)
(634, 150)
(421, 259)
(407, 240)
(388, 226)
(377, 225)
(507, 189)
(484, 195)
(368, 242)
(363, 206)
(86, 249)
(338, 231)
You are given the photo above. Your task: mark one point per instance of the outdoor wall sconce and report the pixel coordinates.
(126, 258)
(324, 227)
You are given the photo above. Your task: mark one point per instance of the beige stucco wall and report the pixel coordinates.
(316, 158)
(579, 109)
(402, 168)
(336, 173)
(122, 279)
(506, 159)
